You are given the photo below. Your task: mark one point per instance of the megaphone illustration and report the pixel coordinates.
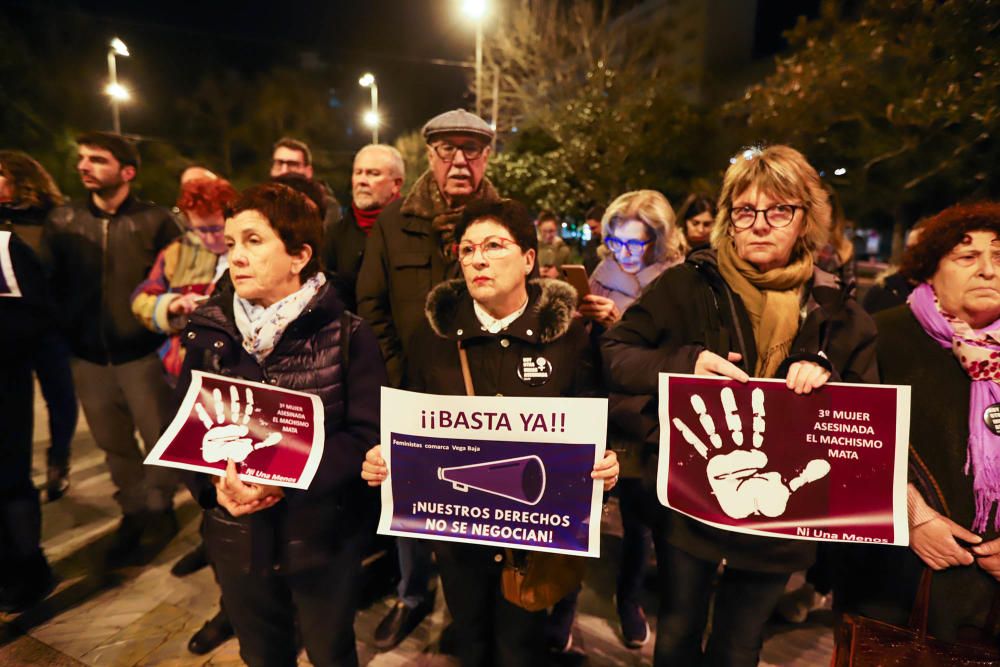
(521, 479)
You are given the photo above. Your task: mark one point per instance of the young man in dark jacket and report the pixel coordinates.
(100, 249)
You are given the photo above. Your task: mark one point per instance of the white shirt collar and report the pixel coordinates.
(493, 325)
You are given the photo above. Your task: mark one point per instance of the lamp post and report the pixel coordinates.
(116, 91)
(371, 118)
(476, 10)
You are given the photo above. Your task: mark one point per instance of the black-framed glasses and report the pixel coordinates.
(446, 151)
(493, 247)
(634, 246)
(777, 216)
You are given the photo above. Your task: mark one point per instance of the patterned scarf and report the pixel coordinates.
(772, 300)
(978, 350)
(262, 327)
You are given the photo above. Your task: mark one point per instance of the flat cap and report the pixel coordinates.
(458, 120)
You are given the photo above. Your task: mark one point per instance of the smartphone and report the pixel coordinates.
(576, 275)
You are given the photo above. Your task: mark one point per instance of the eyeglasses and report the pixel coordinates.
(446, 151)
(493, 247)
(777, 216)
(635, 246)
(288, 164)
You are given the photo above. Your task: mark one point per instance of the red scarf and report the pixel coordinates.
(366, 219)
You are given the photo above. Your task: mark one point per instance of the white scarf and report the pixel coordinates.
(262, 327)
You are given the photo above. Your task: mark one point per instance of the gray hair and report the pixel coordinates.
(395, 158)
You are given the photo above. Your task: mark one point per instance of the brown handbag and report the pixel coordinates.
(534, 580)
(865, 642)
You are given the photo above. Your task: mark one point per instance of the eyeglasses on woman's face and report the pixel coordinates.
(632, 246)
(492, 247)
(777, 216)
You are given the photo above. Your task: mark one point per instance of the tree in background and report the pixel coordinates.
(596, 109)
(904, 97)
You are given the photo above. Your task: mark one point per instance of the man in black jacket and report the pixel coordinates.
(99, 251)
(376, 181)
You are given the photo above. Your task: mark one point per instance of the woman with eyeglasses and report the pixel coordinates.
(639, 230)
(499, 315)
(753, 305)
(186, 271)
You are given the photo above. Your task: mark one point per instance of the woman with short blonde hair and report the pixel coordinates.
(639, 230)
(784, 172)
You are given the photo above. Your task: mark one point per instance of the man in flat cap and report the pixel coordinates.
(408, 251)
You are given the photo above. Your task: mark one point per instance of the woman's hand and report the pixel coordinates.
(607, 470)
(709, 363)
(934, 541)
(804, 376)
(185, 304)
(988, 557)
(600, 309)
(241, 497)
(374, 470)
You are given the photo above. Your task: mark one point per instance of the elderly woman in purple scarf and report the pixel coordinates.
(945, 343)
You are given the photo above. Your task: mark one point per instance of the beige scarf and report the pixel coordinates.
(772, 300)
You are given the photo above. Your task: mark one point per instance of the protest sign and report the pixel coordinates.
(275, 436)
(8, 281)
(757, 458)
(494, 470)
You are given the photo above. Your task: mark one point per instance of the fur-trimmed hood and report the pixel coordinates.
(551, 304)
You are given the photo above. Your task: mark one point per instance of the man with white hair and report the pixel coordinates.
(376, 181)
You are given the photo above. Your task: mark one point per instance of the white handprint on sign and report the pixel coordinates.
(228, 441)
(735, 477)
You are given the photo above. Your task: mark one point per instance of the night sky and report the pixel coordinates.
(171, 41)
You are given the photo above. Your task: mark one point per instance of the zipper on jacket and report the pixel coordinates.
(105, 224)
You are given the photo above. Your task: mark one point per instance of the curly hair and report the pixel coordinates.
(783, 172)
(31, 185)
(652, 209)
(293, 216)
(941, 233)
(206, 196)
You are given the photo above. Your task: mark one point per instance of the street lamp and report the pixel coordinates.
(116, 91)
(371, 118)
(476, 10)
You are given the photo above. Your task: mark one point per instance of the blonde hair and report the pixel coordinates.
(653, 210)
(784, 173)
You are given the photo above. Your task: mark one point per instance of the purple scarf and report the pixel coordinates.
(978, 350)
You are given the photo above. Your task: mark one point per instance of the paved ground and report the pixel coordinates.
(144, 616)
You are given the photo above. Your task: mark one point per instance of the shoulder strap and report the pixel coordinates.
(466, 375)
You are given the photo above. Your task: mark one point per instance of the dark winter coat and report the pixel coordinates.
(689, 309)
(547, 329)
(97, 260)
(403, 261)
(343, 249)
(303, 530)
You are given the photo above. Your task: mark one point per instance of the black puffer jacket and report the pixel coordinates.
(546, 329)
(303, 530)
(688, 309)
(97, 260)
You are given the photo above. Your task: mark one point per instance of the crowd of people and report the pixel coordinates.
(113, 302)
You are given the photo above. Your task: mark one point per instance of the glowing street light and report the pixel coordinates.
(117, 91)
(476, 10)
(371, 118)
(114, 90)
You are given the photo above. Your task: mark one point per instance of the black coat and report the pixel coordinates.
(304, 529)
(547, 329)
(403, 261)
(97, 260)
(688, 309)
(343, 249)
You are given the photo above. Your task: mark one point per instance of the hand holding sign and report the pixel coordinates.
(229, 441)
(735, 477)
